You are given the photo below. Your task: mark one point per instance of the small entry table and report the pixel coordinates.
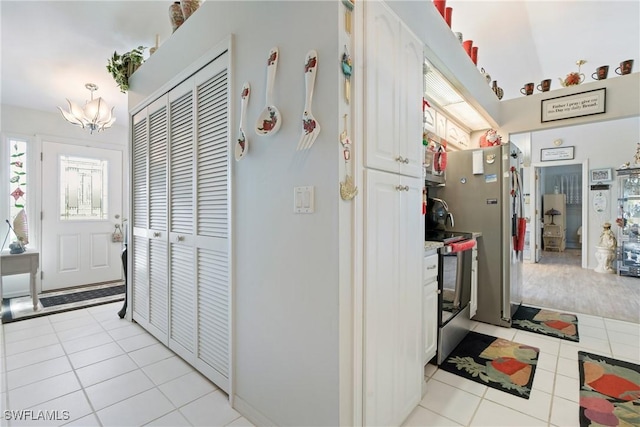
(26, 262)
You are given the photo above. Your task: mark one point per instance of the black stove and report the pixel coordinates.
(446, 237)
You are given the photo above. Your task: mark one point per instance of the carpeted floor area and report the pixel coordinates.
(21, 308)
(565, 287)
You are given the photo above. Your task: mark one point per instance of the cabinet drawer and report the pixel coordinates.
(430, 268)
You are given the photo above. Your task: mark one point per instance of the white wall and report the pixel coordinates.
(34, 126)
(286, 284)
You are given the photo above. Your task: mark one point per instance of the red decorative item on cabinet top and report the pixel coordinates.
(474, 55)
(467, 45)
(447, 15)
(440, 5)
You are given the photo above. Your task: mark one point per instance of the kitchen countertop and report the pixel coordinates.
(431, 245)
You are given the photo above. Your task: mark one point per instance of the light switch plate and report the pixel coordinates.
(303, 200)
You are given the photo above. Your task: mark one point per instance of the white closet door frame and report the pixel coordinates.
(217, 59)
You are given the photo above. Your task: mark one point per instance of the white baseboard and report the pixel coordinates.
(251, 413)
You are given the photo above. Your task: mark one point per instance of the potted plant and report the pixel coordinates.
(123, 66)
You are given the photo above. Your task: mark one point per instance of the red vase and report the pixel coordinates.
(447, 15)
(474, 55)
(440, 5)
(467, 45)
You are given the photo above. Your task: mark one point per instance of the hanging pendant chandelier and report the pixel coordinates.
(96, 114)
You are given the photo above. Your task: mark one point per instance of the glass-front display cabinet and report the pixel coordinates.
(628, 222)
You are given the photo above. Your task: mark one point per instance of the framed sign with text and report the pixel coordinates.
(561, 153)
(576, 105)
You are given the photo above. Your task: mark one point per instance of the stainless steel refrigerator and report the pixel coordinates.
(483, 195)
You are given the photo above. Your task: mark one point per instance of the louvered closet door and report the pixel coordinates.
(182, 295)
(158, 204)
(212, 222)
(139, 246)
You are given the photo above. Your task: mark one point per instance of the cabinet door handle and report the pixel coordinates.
(432, 267)
(156, 234)
(180, 238)
(406, 161)
(402, 187)
(400, 159)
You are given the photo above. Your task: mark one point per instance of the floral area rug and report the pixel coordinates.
(609, 391)
(546, 322)
(494, 362)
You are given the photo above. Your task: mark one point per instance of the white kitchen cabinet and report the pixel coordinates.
(430, 307)
(180, 168)
(393, 283)
(393, 93)
(457, 136)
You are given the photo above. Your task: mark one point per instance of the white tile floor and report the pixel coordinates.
(109, 372)
(455, 401)
(103, 371)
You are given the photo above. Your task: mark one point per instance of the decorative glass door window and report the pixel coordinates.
(83, 188)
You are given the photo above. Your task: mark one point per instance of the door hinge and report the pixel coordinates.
(41, 274)
(41, 156)
(41, 215)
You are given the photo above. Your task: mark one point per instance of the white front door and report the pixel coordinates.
(81, 205)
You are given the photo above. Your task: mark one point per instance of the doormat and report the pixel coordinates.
(546, 322)
(21, 308)
(609, 391)
(495, 362)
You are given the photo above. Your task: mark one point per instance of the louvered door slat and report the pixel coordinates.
(212, 157)
(158, 169)
(212, 222)
(140, 174)
(158, 289)
(181, 187)
(140, 278)
(182, 295)
(213, 311)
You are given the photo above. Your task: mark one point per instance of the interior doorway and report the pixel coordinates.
(560, 220)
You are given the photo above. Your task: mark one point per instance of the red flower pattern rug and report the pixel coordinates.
(495, 362)
(609, 391)
(546, 322)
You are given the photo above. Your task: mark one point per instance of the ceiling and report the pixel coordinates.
(50, 49)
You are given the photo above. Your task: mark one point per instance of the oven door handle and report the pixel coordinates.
(462, 246)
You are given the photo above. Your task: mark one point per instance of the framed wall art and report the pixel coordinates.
(561, 153)
(601, 175)
(576, 105)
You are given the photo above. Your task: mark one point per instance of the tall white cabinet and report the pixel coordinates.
(181, 263)
(394, 247)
